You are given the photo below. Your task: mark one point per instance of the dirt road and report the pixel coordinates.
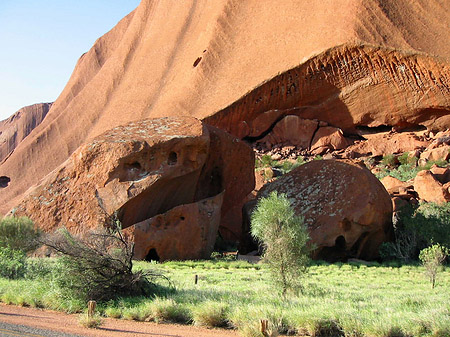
(68, 324)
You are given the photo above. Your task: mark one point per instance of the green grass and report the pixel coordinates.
(337, 299)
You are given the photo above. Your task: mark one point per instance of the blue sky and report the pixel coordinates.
(41, 41)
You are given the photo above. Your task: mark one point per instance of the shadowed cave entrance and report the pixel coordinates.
(152, 256)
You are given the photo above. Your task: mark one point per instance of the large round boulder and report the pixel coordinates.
(346, 208)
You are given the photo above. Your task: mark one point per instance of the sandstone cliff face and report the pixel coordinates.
(347, 87)
(160, 177)
(197, 58)
(14, 129)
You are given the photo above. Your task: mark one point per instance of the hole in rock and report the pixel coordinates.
(132, 171)
(152, 255)
(340, 242)
(133, 166)
(4, 181)
(197, 61)
(182, 218)
(172, 160)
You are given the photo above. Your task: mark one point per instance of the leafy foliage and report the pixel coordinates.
(284, 238)
(99, 265)
(432, 258)
(12, 263)
(19, 234)
(417, 228)
(389, 160)
(407, 169)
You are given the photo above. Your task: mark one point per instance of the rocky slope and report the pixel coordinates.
(348, 63)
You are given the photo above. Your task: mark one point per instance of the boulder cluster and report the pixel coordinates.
(160, 123)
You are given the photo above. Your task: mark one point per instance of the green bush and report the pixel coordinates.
(406, 159)
(432, 258)
(12, 263)
(417, 228)
(284, 238)
(18, 234)
(389, 160)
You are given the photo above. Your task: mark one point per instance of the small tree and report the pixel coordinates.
(432, 258)
(284, 238)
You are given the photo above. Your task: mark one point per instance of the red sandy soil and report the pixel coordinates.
(57, 321)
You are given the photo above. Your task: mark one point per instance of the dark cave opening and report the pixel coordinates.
(4, 181)
(152, 256)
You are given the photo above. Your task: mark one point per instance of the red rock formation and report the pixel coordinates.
(197, 58)
(349, 86)
(147, 173)
(431, 189)
(438, 153)
(328, 138)
(382, 143)
(292, 130)
(230, 168)
(346, 208)
(14, 129)
(187, 231)
(394, 185)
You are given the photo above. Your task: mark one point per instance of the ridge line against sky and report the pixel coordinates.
(41, 41)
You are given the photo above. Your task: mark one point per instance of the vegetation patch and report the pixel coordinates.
(347, 298)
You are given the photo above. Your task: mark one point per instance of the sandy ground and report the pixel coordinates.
(58, 321)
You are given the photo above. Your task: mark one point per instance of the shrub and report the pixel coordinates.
(417, 228)
(18, 234)
(389, 160)
(99, 265)
(432, 258)
(264, 161)
(284, 238)
(12, 263)
(406, 159)
(211, 314)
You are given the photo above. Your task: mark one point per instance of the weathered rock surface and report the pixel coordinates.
(14, 129)
(186, 231)
(292, 130)
(299, 55)
(394, 185)
(141, 172)
(230, 168)
(438, 153)
(430, 189)
(346, 208)
(382, 143)
(442, 174)
(328, 138)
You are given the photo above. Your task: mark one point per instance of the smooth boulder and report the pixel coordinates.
(346, 208)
